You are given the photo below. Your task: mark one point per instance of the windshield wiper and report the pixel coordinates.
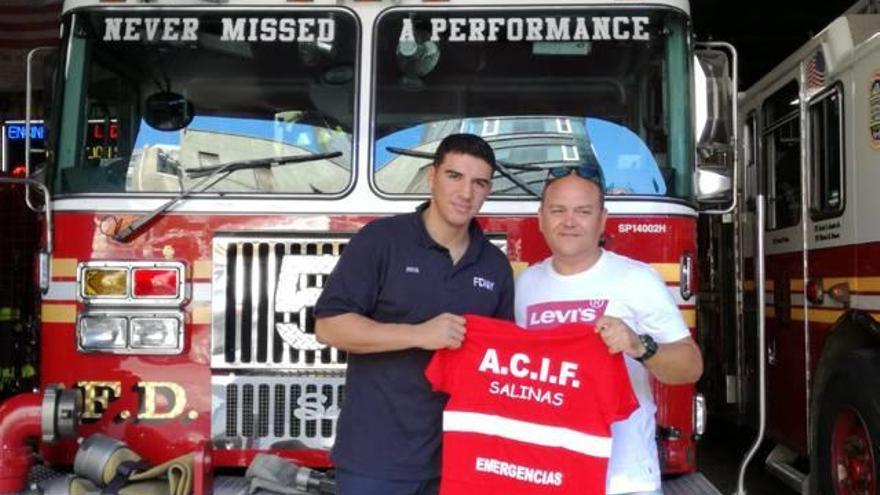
(217, 173)
(504, 168)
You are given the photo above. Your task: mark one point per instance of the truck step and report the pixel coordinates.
(690, 484)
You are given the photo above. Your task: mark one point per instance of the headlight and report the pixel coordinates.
(155, 333)
(116, 332)
(102, 332)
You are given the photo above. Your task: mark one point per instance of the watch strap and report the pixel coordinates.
(650, 348)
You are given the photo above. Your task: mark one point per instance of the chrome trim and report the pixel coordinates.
(258, 412)
(27, 125)
(129, 315)
(685, 276)
(360, 201)
(700, 414)
(780, 464)
(760, 300)
(734, 108)
(251, 269)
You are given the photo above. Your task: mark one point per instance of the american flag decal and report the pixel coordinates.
(816, 70)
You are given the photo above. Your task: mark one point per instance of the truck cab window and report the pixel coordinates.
(247, 93)
(782, 157)
(826, 155)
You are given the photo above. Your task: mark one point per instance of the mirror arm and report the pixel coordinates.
(27, 122)
(735, 116)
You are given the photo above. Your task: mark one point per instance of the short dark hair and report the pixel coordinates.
(466, 144)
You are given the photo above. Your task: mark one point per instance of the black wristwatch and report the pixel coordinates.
(650, 348)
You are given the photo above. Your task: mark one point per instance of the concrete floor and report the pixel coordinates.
(720, 453)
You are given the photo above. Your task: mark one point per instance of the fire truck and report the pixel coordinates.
(250, 140)
(811, 145)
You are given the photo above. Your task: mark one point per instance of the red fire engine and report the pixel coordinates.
(251, 140)
(811, 141)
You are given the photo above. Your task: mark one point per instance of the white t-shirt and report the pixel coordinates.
(632, 291)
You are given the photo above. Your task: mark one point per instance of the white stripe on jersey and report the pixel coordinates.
(523, 431)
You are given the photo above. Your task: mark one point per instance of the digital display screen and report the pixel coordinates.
(101, 140)
(14, 140)
(18, 132)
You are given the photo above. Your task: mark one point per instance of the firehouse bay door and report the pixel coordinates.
(779, 169)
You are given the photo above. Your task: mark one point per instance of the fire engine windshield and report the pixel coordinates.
(546, 88)
(153, 98)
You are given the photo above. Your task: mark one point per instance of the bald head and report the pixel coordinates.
(572, 219)
(586, 183)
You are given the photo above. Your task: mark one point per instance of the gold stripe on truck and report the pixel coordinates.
(670, 272)
(64, 267)
(59, 313)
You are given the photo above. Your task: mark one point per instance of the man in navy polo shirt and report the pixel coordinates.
(398, 293)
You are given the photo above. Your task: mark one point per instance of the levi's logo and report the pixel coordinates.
(551, 314)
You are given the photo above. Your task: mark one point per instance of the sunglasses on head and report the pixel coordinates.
(590, 173)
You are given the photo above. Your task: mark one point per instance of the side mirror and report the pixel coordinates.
(715, 177)
(168, 111)
(715, 83)
(713, 184)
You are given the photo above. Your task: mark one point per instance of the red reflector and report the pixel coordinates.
(155, 283)
(19, 171)
(814, 292)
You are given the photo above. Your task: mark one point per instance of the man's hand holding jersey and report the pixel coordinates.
(444, 331)
(674, 363)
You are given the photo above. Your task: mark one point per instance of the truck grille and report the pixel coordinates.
(245, 323)
(273, 385)
(276, 412)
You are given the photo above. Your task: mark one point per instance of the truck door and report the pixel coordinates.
(780, 170)
(831, 258)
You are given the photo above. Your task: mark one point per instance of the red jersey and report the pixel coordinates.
(529, 411)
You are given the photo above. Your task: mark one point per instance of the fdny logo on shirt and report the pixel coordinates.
(551, 314)
(482, 283)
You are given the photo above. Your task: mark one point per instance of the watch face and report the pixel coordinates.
(650, 347)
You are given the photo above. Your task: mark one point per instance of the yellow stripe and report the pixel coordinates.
(518, 267)
(857, 284)
(201, 313)
(690, 317)
(59, 313)
(750, 285)
(670, 272)
(817, 315)
(202, 269)
(64, 267)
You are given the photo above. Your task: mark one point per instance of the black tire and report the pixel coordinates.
(852, 393)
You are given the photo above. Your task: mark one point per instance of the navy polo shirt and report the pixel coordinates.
(392, 271)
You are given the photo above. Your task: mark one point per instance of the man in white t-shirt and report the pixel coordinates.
(630, 306)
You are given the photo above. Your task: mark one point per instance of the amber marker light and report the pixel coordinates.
(103, 282)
